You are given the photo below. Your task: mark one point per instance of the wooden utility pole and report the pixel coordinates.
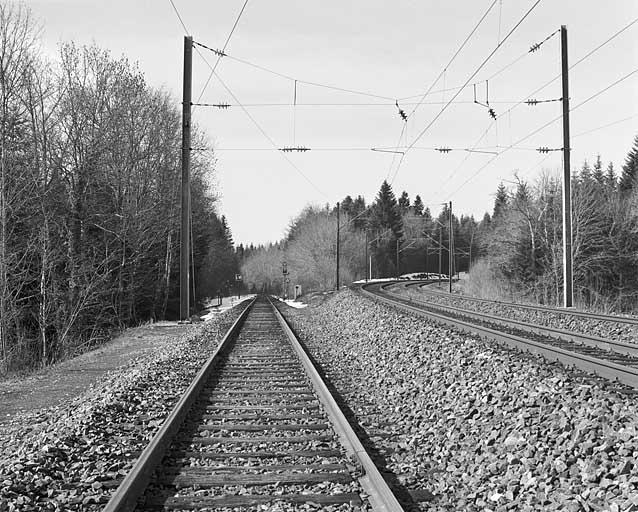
(184, 306)
(450, 250)
(568, 293)
(338, 240)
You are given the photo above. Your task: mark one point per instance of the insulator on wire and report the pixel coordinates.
(220, 53)
(491, 112)
(291, 149)
(443, 150)
(545, 149)
(534, 102)
(222, 106)
(534, 47)
(402, 113)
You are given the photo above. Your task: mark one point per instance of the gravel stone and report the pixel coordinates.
(73, 457)
(477, 425)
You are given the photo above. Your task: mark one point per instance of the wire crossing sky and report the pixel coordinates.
(356, 92)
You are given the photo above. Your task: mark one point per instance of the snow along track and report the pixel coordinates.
(591, 355)
(256, 426)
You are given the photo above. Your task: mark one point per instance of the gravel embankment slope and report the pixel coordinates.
(559, 320)
(480, 427)
(72, 457)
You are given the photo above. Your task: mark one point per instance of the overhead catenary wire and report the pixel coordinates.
(307, 82)
(409, 146)
(572, 66)
(459, 49)
(490, 77)
(219, 53)
(213, 73)
(508, 112)
(390, 149)
(268, 138)
(613, 123)
(223, 50)
(476, 71)
(179, 17)
(226, 105)
(539, 129)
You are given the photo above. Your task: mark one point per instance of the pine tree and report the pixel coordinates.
(404, 203)
(598, 175)
(501, 201)
(226, 234)
(585, 172)
(417, 206)
(611, 180)
(629, 169)
(358, 207)
(427, 215)
(347, 205)
(386, 211)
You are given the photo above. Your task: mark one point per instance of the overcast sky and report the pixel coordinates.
(393, 50)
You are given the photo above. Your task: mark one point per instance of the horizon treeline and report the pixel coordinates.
(514, 252)
(89, 199)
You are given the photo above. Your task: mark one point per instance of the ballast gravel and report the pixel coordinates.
(613, 330)
(73, 457)
(467, 425)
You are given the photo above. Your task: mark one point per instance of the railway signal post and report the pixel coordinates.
(284, 271)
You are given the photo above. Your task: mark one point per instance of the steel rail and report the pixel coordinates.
(134, 484)
(607, 369)
(381, 496)
(620, 347)
(549, 309)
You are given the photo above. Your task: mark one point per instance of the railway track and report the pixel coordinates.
(531, 307)
(609, 359)
(257, 427)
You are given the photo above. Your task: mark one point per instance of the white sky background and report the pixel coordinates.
(393, 49)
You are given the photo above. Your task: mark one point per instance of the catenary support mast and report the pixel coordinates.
(184, 306)
(568, 294)
(450, 249)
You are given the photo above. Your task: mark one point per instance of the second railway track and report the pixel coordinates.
(256, 428)
(612, 360)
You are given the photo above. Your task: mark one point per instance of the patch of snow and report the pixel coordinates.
(375, 280)
(293, 303)
(227, 303)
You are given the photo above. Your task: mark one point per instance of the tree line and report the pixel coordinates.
(384, 238)
(523, 244)
(89, 198)
(514, 252)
